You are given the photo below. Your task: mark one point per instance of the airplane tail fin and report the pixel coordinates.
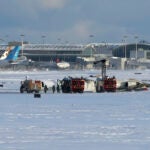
(13, 55)
(6, 52)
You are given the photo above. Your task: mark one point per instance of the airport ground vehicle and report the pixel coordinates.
(31, 86)
(108, 84)
(111, 84)
(72, 85)
(105, 83)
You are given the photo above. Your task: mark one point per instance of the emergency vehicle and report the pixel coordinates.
(31, 86)
(72, 85)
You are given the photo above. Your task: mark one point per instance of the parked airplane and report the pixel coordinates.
(6, 52)
(12, 58)
(10, 55)
(22, 60)
(52, 64)
(45, 64)
(63, 65)
(13, 55)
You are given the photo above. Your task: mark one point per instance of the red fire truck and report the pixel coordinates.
(110, 84)
(72, 85)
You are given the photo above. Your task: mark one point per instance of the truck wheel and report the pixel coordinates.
(80, 91)
(28, 91)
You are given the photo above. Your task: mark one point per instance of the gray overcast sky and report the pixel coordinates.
(75, 20)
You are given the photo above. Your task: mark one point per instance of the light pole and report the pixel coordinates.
(6, 37)
(125, 42)
(43, 37)
(136, 37)
(93, 49)
(122, 44)
(22, 36)
(59, 40)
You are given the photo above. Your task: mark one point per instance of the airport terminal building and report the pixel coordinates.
(51, 52)
(70, 52)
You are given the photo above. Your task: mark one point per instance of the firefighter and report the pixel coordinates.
(58, 88)
(53, 88)
(45, 88)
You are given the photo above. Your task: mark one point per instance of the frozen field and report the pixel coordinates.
(88, 121)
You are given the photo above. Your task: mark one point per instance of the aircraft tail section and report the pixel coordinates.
(6, 53)
(13, 55)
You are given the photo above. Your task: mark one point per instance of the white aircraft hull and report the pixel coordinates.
(63, 65)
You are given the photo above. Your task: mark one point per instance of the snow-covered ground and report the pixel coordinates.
(88, 121)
